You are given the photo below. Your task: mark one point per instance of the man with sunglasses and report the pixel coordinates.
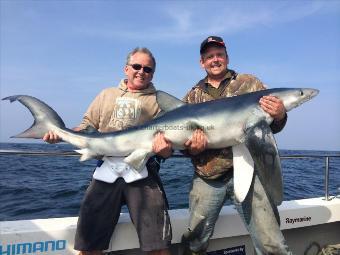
(114, 183)
(213, 179)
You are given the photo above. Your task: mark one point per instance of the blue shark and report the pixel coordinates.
(238, 122)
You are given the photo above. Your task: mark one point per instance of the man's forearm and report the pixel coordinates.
(277, 125)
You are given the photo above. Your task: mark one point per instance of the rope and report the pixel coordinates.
(330, 250)
(326, 250)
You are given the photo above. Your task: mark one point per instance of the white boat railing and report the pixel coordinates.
(326, 157)
(326, 173)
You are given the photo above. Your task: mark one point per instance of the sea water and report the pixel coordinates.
(34, 187)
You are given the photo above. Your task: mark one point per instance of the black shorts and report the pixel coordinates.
(101, 208)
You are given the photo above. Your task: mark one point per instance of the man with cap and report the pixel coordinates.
(212, 183)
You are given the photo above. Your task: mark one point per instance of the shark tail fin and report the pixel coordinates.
(44, 116)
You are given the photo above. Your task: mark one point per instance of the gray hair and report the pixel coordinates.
(141, 50)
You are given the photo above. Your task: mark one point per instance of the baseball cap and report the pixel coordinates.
(211, 40)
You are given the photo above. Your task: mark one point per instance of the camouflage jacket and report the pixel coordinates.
(214, 163)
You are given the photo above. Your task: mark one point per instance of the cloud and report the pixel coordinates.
(178, 21)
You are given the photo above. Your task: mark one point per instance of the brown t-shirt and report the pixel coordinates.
(116, 108)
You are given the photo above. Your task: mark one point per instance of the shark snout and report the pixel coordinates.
(310, 93)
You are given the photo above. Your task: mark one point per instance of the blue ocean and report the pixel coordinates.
(33, 187)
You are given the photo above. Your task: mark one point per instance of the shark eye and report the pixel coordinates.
(301, 93)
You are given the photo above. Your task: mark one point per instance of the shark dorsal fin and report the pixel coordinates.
(167, 102)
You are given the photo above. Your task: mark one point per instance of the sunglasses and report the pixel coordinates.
(137, 67)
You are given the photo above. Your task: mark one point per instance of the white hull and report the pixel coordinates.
(302, 221)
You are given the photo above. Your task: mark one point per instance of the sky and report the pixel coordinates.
(66, 52)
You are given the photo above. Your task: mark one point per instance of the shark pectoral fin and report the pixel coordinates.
(86, 154)
(261, 144)
(138, 158)
(167, 102)
(243, 171)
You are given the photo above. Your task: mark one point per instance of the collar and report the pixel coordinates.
(150, 89)
(230, 75)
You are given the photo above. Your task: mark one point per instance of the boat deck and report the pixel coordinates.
(303, 222)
